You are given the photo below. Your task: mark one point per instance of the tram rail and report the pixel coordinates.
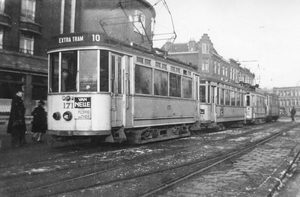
(59, 187)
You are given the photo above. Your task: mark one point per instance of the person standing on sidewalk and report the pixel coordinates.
(293, 112)
(39, 123)
(16, 124)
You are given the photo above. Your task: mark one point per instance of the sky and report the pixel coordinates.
(264, 35)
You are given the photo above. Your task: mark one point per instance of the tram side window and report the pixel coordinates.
(69, 71)
(160, 83)
(227, 97)
(218, 96)
(175, 85)
(202, 94)
(104, 80)
(143, 82)
(232, 95)
(248, 100)
(222, 97)
(187, 87)
(88, 71)
(238, 97)
(54, 72)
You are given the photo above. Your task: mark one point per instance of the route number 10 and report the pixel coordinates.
(96, 37)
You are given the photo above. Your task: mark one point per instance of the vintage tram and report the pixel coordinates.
(116, 92)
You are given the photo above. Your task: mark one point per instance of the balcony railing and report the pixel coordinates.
(26, 51)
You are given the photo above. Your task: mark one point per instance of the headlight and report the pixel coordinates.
(67, 115)
(56, 116)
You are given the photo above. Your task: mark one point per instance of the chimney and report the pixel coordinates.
(192, 45)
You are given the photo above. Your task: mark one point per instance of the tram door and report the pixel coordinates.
(118, 82)
(213, 101)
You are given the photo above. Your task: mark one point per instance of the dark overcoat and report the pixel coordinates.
(16, 124)
(39, 123)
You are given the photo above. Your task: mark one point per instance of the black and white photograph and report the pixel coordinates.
(149, 98)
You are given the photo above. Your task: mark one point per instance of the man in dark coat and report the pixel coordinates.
(39, 123)
(16, 124)
(293, 112)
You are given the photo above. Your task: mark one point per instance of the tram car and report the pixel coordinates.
(224, 104)
(114, 94)
(261, 107)
(273, 107)
(221, 103)
(107, 83)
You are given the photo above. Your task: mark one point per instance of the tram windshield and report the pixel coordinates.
(78, 71)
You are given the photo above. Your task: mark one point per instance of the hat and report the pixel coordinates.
(41, 102)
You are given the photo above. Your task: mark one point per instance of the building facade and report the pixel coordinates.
(23, 59)
(289, 97)
(208, 61)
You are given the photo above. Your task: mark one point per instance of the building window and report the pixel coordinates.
(215, 67)
(205, 48)
(205, 65)
(219, 69)
(2, 6)
(26, 44)
(28, 10)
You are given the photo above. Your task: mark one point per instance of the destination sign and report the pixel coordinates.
(82, 102)
(79, 38)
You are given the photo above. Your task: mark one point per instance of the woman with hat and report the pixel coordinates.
(39, 123)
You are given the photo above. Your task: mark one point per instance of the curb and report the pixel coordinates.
(274, 181)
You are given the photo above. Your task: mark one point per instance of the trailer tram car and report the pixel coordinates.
(117, 93)
(272, 107)
(261, 106)
(221, 103)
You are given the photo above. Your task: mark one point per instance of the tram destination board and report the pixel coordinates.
(78, 39)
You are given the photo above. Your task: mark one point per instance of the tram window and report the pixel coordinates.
(218, 96)
(238, 101)
(143, 80)
(175, 85)
(54, 72)
(119, 75)
(232, 98)
(208, 94)
(69, 71)
(88, 71)
(227, 97)
(104, 80)
(248, 100)
(187, 87)
(202, 94)
(222, 97)
(160, 83)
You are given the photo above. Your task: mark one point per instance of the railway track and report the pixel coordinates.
(106, 175)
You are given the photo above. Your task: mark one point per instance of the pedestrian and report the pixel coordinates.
(293, 112)
(16, 124)
(39, 123)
